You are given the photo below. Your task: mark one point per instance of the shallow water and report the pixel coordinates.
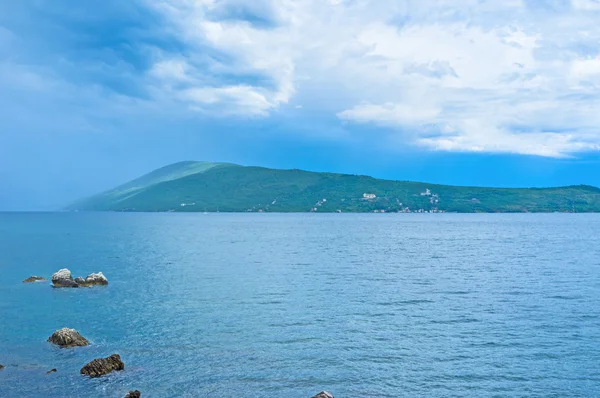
(287, 305)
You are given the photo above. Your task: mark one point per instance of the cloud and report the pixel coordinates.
(515, 76)
(460, 75)
(588, 5)
(232, 58)
(586, 72)
(391, 114)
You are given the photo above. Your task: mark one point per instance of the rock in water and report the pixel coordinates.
(51, 371)
(133, 394)
(96, 279)
(32, 279)
(1, 367)
(102, 366)
(323, 394)
(92, 280)
(68, 338)
(67, 283)
(63, 278)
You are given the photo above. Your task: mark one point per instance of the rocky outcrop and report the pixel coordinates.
(63, 278)
(68, 338)
(133, 394)
(51, 371)
(101, 366)
(66, 283)
(323, 394)
(92, 280)
(1, 367)
(32, 279)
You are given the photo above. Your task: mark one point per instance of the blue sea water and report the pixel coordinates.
(287, 305)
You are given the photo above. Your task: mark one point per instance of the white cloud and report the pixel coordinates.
(244, 68)
(586, 71)
(239, 99)
(391, 114)
(589, 5)
(452, 75)
(174, 70)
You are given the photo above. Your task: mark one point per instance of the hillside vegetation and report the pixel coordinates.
(203, 186)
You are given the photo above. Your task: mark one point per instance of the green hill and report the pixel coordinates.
(123, 192)
(203, 186)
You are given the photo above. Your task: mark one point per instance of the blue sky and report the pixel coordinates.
(469, 92)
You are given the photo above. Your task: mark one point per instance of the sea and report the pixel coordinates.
(288, 305)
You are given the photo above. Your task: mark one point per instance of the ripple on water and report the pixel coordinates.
(288, 305)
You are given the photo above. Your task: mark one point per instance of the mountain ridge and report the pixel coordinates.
(207, 186)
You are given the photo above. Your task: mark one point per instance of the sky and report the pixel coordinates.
(468, 92)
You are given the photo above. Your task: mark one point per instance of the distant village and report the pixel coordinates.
(397, 207)
(434, 200)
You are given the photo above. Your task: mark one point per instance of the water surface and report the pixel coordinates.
(287, 305)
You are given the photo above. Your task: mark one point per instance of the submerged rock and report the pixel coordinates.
(32, 279)
(102, 366)
(68, 338)
(51, 371)
(63, 278)
(1, 367)
(323, 394)
(133, 394)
